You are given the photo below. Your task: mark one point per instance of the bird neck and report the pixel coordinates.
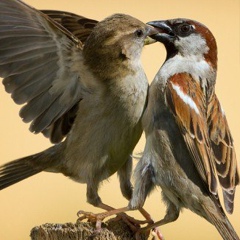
(198, 68)
(130, 93)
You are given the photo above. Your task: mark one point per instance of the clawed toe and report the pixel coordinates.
(92, 217)
(134, 224)
(156, 233)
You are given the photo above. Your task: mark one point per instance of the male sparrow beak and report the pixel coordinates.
(165, 31)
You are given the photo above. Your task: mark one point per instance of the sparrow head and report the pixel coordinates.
(188, 38)
(115, 43)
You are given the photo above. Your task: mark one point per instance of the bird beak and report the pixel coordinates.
(150, 32)
(165, 32)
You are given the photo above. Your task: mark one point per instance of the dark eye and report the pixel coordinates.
(139, 33)
(184, 29)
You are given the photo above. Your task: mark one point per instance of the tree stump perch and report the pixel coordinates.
(111, 230)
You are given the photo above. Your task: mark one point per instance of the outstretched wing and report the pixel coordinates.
(79, 26)
(41, 63)
(187, 103)
(225, 157)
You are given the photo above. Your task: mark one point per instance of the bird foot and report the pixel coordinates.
(133, 223)
(156, 233)
(92, 217)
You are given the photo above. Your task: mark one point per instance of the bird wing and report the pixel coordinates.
(42, 66)
(79, 26)
(186, 100)
(224, 152)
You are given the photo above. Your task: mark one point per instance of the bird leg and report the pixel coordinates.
(171, 215)
(94, 199)
(124, 174)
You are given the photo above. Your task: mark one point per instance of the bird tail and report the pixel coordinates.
(223, 225)
(20, 169)
(226, 229)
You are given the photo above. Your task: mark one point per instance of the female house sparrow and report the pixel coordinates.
(88, 100)
(189, 147)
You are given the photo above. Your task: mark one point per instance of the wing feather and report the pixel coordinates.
(205, 130)
(41, 63)
(224, 152)
(187, 103)
(79, 26)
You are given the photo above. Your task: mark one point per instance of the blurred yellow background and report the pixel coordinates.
(49, 197)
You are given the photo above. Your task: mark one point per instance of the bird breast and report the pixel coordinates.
(106, 130)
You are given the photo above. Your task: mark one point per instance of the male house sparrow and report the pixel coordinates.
(88, 99)
(189, 147)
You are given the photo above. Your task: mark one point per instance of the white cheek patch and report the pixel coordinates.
(186, 99)
(192, 46)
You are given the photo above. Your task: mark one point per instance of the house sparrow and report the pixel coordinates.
(189, 147)
(88, 99)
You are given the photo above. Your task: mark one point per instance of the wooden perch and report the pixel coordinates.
(111, 230)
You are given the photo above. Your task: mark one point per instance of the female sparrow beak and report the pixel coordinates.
(151, 31)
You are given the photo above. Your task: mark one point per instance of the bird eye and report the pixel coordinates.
(139, 33)
(184, 29)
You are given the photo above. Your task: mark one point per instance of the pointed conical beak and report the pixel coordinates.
(165, 32)
(150, 32)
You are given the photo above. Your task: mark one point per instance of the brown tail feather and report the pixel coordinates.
(226, 229)
(20, 169)
(223, 225)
